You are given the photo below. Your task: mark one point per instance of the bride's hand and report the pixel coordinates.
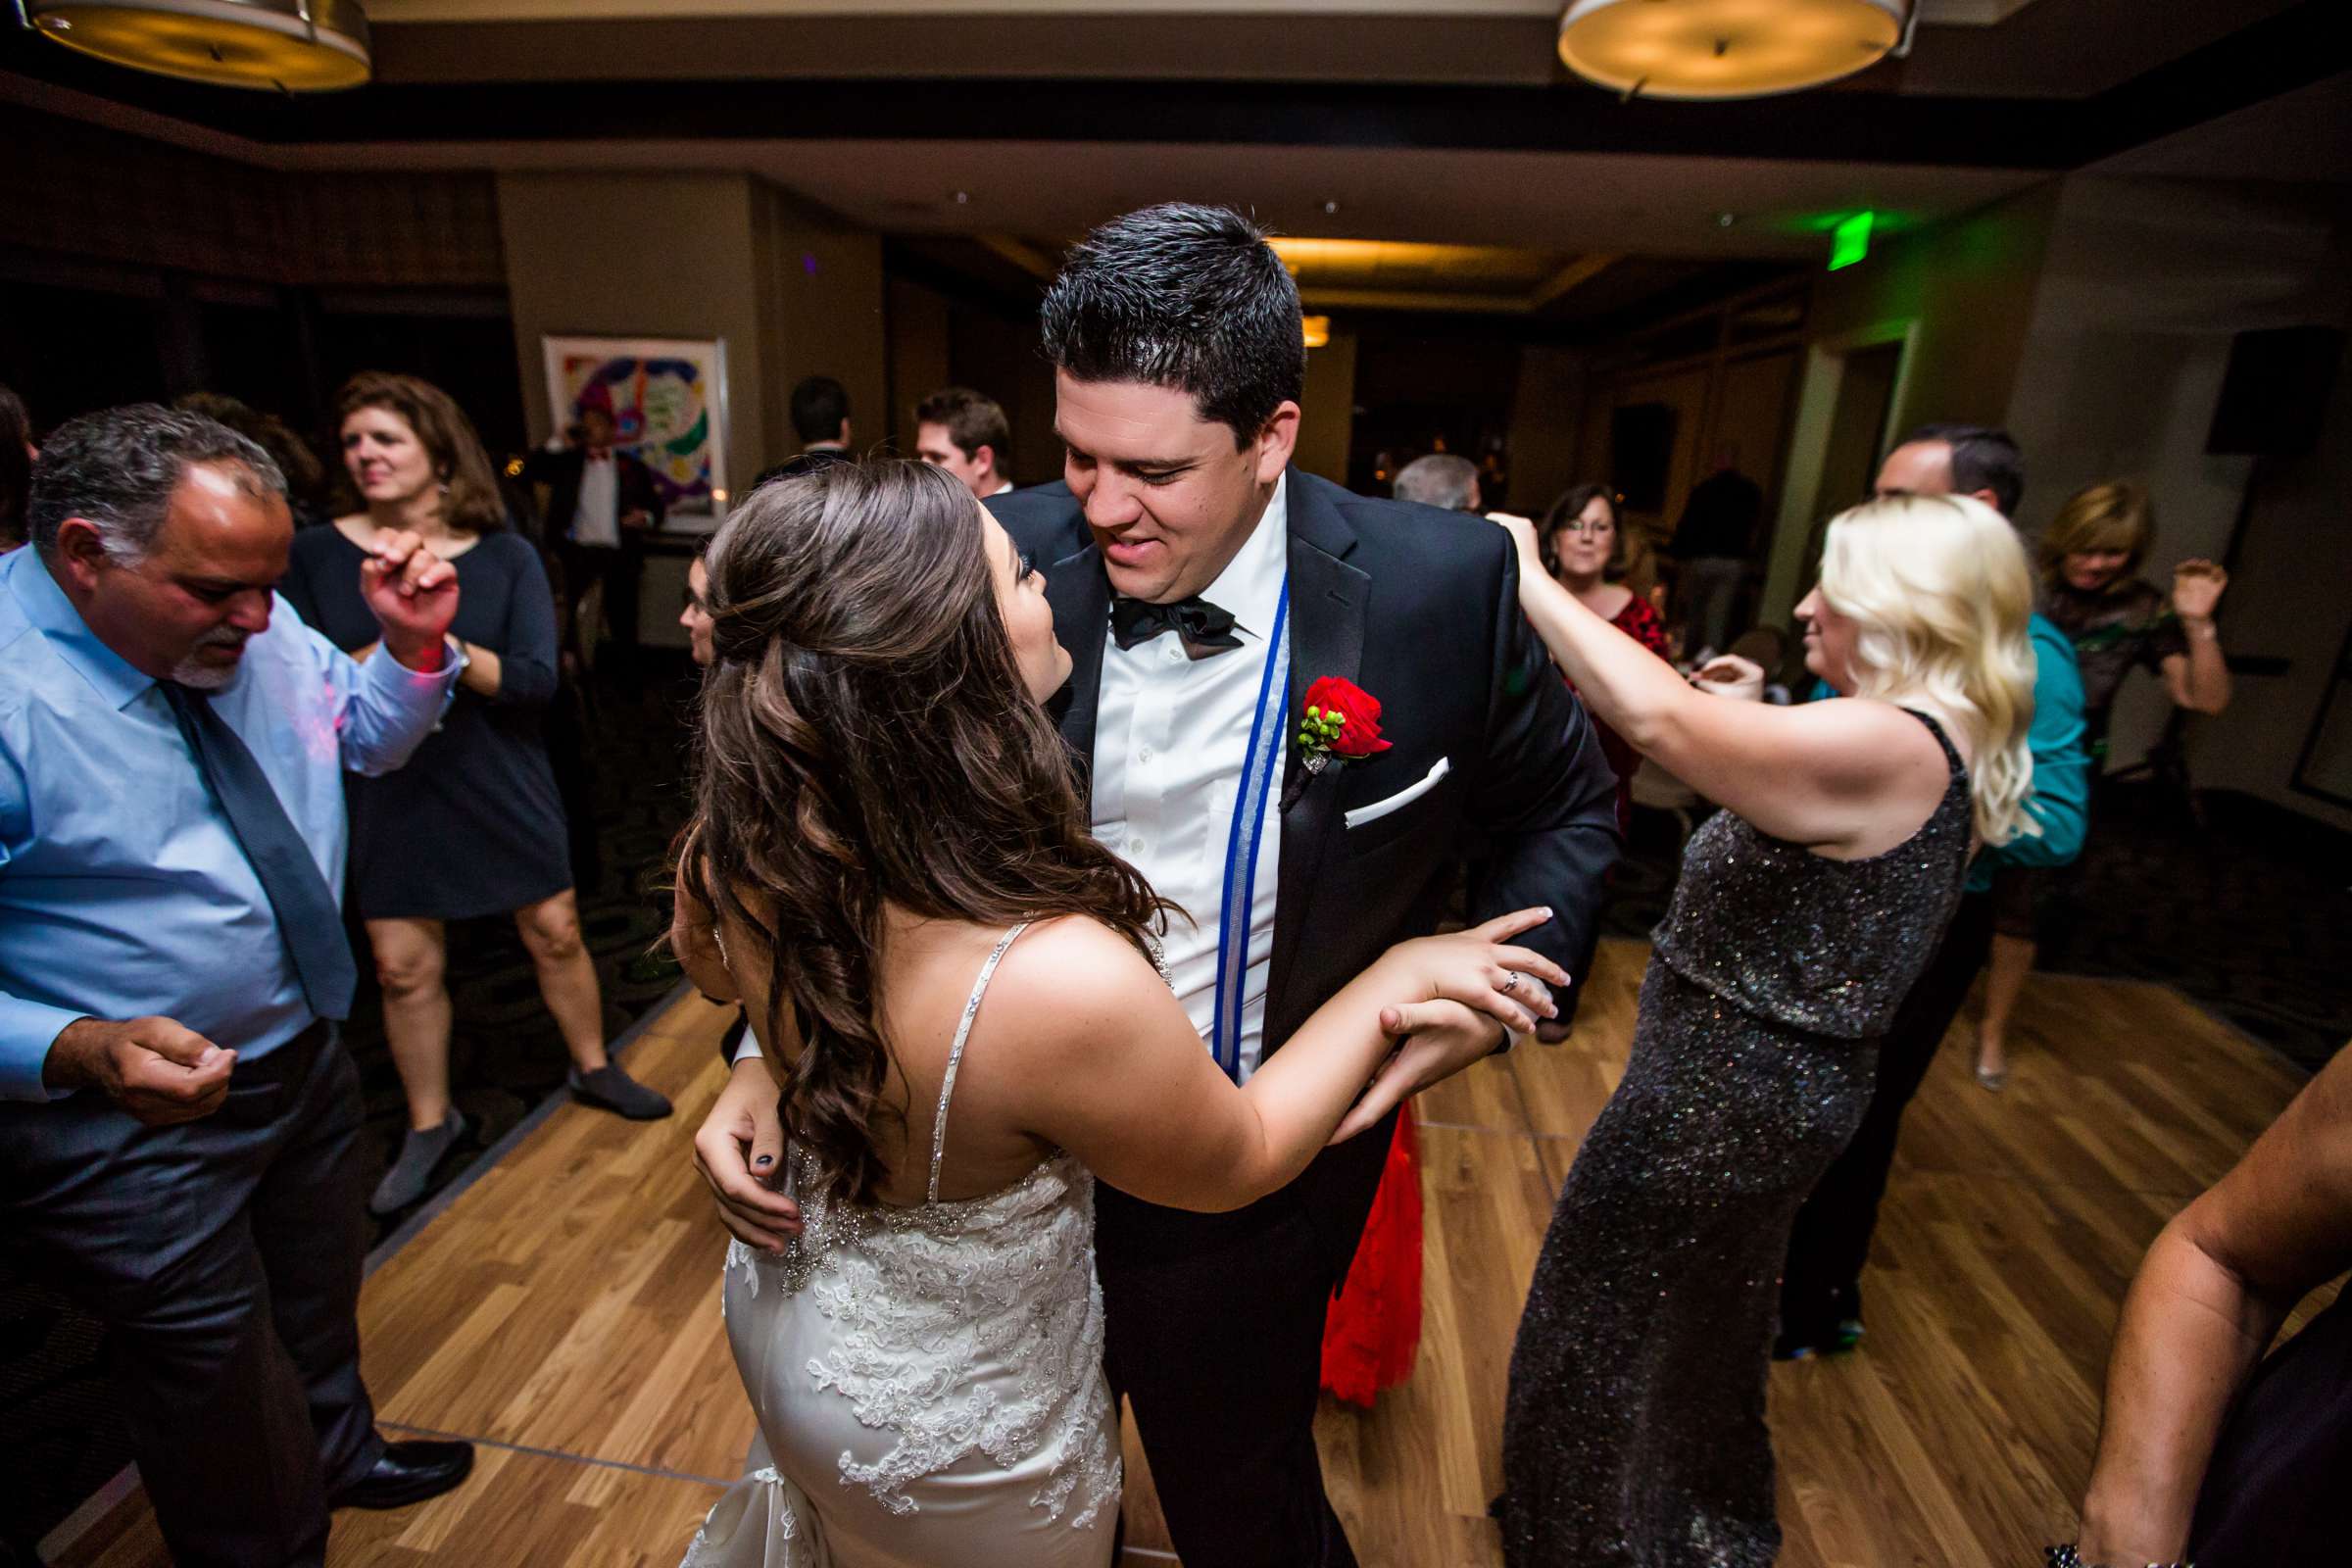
(1482, 971)
(1459, 992)
(739, 1150)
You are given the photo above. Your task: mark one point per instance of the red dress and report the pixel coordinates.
(1373, 1332)
(1641, 622)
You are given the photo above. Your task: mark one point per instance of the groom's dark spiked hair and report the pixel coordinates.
(1190, 298)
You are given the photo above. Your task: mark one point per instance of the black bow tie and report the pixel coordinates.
(1205, 628)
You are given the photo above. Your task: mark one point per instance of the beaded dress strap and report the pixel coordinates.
(963, 1032)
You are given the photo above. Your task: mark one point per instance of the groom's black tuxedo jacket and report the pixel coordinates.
(1420, 607)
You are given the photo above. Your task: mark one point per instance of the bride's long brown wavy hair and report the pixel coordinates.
(866, 740)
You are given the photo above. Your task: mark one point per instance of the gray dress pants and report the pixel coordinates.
(223, 1257)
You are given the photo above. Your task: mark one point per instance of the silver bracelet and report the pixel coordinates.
(2064, 1555)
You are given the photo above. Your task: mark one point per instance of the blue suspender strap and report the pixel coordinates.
(1241, 843)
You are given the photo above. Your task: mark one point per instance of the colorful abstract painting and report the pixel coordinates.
(668, 399)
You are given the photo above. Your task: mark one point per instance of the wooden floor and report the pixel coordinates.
(564, 1313)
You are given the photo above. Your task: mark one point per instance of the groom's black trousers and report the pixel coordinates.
(1215, 1338)
(223, 1255)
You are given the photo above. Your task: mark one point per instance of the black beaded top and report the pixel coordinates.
(1830, 947)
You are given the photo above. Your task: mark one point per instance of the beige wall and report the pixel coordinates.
(1547, 415)
(1327, 408)
(2291, 597)
(821, 310)
(1970, 284)
(2147, 282)
(1959, 295)
(639, 255)
(989, 354)
(918, 353)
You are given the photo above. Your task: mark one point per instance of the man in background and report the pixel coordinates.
(820, 418)
(1441, 480)
(967, 434)
(600, 501)
(1713, 543)
(179, 1124)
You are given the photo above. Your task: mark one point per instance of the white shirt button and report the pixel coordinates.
(1138, 847)
(1144, 756)
(1174, 655)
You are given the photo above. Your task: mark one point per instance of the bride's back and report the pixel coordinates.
(927, 974)
(880, 799)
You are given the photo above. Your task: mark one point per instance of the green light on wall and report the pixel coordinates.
(1849, 241)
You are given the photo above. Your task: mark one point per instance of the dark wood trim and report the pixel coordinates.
(2287, 51)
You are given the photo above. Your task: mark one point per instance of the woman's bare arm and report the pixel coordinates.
(1821, 774)
(1112, 1071)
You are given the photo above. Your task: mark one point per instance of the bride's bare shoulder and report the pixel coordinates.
(1074, 972)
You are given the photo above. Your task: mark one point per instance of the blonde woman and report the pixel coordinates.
(2089, 559)
(1635, 1432)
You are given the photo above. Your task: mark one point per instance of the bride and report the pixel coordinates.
(889, 862)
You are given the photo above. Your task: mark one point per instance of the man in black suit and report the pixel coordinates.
(820, 417)
(1202, 585)
(601, 501)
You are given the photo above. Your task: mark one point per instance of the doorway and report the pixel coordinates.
(1844, 418)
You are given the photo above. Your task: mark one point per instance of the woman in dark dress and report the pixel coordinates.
(473, 824)
(1584, 548)
(2088, 561)
(1634, 1435)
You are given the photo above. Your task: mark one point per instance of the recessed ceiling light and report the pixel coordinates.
(1331, 209)
(1726, 220)
(963, 198)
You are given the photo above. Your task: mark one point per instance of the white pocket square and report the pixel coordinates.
(1403, 799)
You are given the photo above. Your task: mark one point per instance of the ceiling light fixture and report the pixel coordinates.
(1729, 48)
(273, 45)
(1316, 330)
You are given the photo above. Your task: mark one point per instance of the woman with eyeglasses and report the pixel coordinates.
(1584, 548)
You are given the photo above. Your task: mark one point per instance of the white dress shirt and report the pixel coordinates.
(595, 520)
(1170, 738)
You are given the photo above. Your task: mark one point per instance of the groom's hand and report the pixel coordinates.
(739, 1150)
(1435, 1040)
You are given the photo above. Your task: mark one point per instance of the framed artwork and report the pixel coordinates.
(668, 402)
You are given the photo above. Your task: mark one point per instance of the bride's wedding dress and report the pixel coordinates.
(929, 1380)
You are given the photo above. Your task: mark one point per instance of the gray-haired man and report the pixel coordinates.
(178, 1123)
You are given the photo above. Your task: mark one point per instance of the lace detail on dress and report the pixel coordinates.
(924, 1300)
(920, 1297)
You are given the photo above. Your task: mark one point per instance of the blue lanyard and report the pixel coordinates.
(1258, 769)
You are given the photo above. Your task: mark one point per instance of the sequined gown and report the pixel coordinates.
(929, 1380)
(1634, 1435)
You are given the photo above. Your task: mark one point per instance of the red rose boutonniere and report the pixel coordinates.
(1342, 724)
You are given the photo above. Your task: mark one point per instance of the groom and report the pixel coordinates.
(1202, 585)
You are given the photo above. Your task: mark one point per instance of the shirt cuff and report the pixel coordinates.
(403, 684)
(749, 1050)
(28, 1029)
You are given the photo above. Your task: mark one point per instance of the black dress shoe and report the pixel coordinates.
(405, 1473)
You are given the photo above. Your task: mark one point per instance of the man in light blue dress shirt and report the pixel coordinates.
(178, 1123)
